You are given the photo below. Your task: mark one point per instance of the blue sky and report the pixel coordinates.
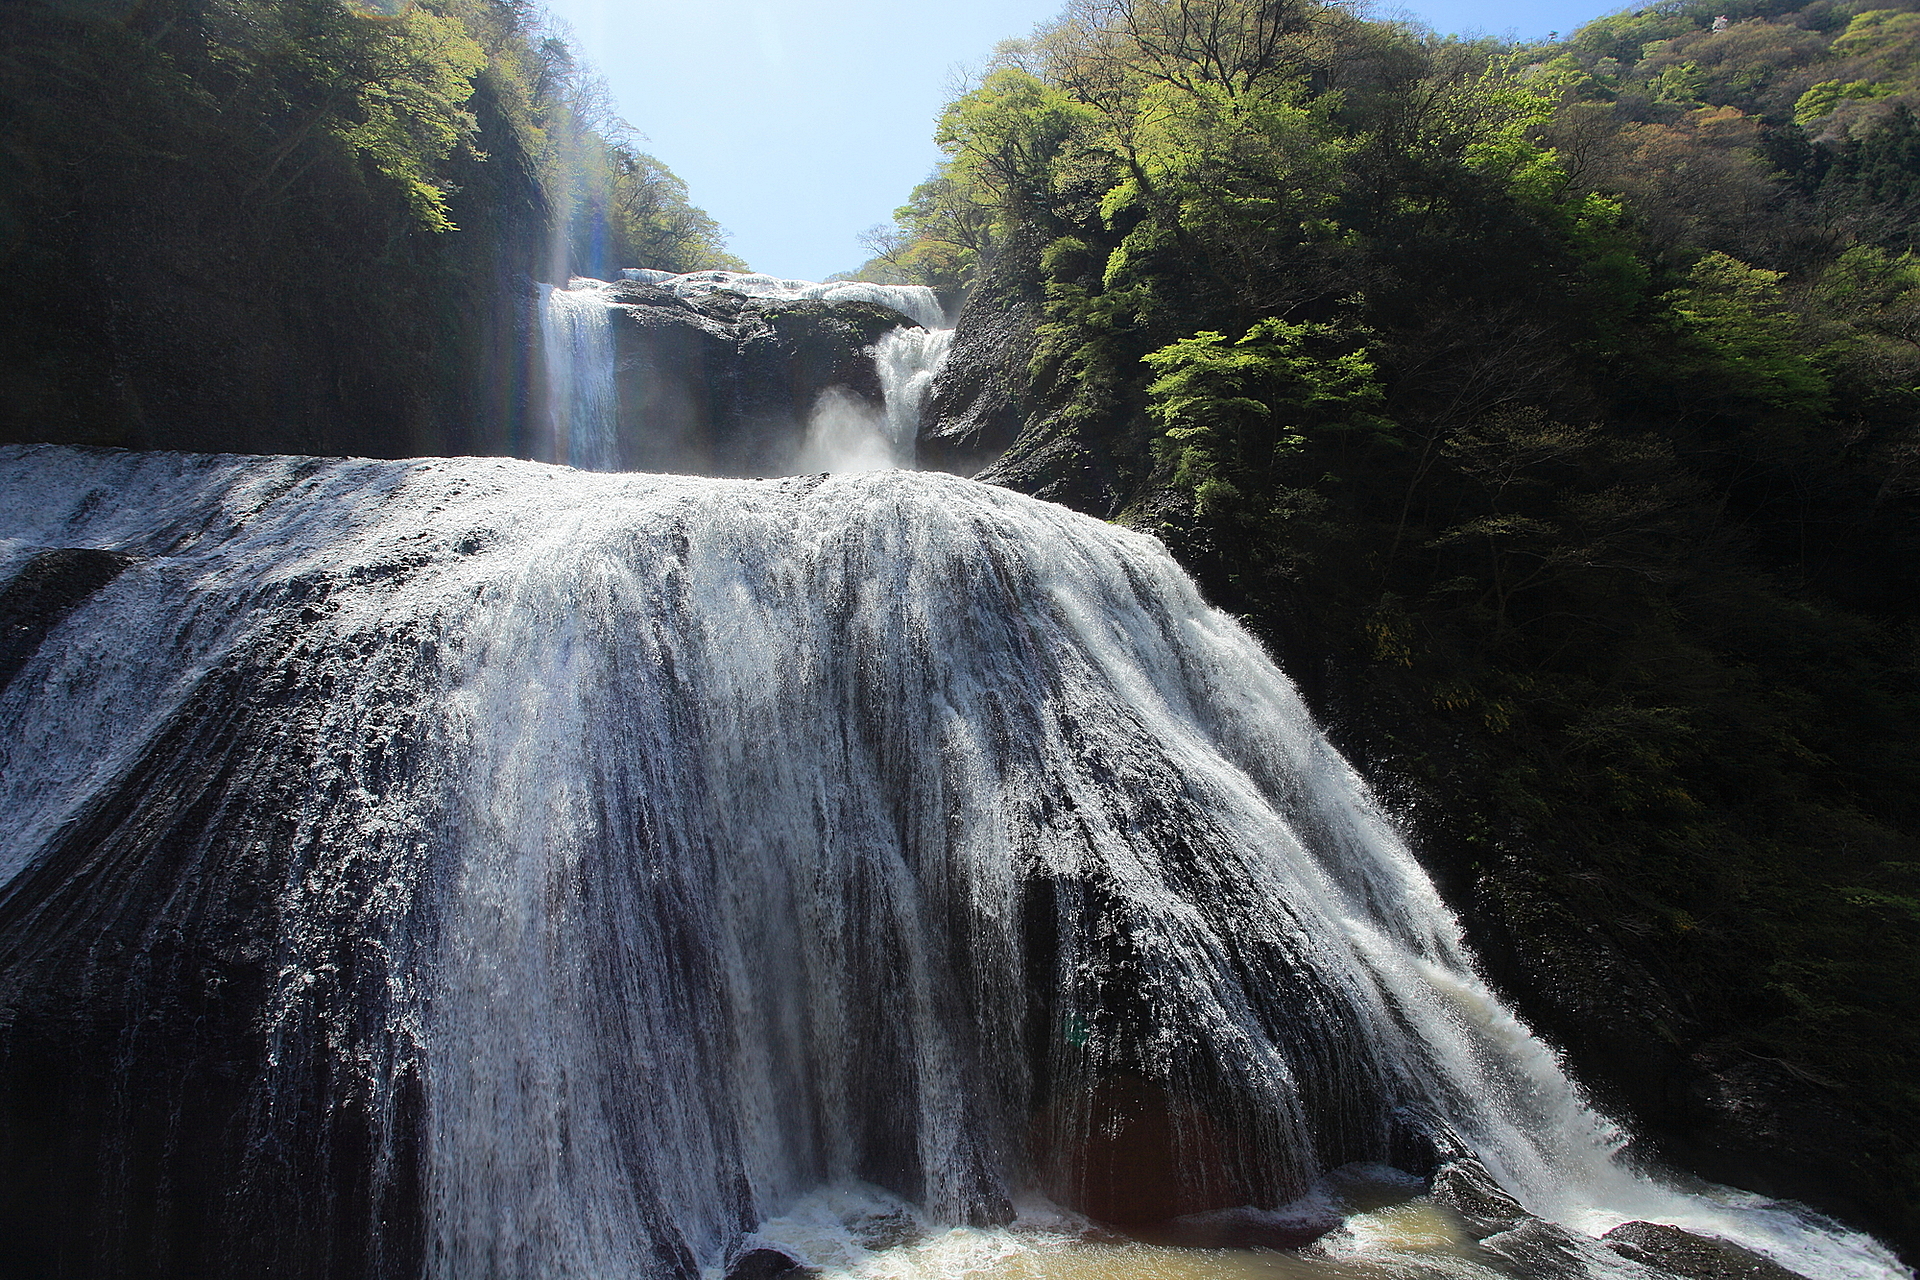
(800, 123)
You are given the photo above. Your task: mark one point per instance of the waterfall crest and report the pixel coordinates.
(592, 867)
(914, 301)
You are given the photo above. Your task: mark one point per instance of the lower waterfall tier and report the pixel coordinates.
(479, 868)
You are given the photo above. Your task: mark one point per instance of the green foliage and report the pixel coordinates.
(1887, 33)
(938, 238)
(1735, 319)
(1819, 101)
(1876, 289)
(1005, 136)
(410, 110)
(1624, 36)
(334, 208)
(1232, 410)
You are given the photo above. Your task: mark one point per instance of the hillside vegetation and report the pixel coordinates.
(301, 225)
(1555, 412)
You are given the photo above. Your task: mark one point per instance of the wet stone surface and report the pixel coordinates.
(1692, 1257)
(767, 1264)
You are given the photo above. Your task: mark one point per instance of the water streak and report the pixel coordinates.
(583, 408)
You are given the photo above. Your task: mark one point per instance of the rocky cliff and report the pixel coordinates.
(723, 384)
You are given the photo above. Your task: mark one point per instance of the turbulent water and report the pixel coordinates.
(637, 861)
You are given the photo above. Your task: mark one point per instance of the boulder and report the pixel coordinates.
(1539, 1250)
(1464, 1186)
(767, 1264)
(1691, 1257)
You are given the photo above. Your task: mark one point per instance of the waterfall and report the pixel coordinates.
(576, 330)
(480, 868)
(908, 360)
(845, 434)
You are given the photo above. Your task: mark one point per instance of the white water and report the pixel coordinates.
(576, 331)
(907, 360)
(733, 804)
(916, 302)
(843, 431)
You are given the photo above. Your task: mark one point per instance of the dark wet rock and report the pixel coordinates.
(1141, 1157)
(1247, 1229)
(985, 418)
(1052, 462)
(1465, 1186)
(129, 1053)
(43, 592)
(980, 401)
(1681, 1253)
(724, 385)
(767, 1264)
(1539, 1250)
(1772, 1127)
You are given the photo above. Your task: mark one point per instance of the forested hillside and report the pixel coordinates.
(1555, 413)
(301, 225)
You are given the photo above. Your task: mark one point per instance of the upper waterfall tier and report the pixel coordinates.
(477, 868)
(717, 373)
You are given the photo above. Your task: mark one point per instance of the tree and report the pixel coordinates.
(1741, 340)
(1231, 411)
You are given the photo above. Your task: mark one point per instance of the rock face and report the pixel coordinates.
(1676, 1252)
(984, 417)
(723, 385)
(981, 399)
(160, 312)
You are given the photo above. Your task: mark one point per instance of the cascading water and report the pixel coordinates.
(908, 360)
(497, 870)
(845, 434)
(916, 302)
(576, 330)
